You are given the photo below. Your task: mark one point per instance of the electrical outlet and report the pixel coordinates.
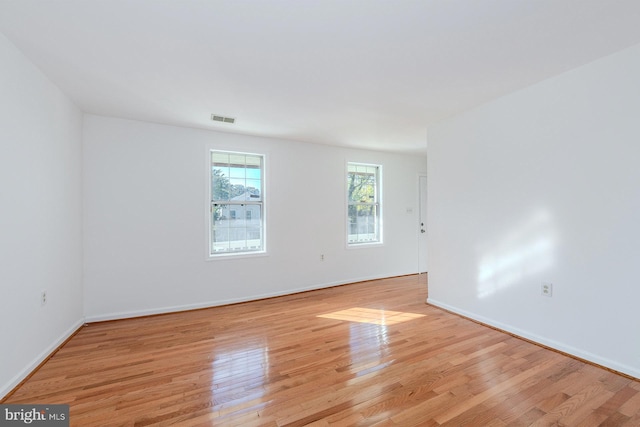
(546, 289)
(322, 257)
(43, 298)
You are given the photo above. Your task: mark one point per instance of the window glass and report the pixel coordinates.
(363, 204)
(237, 197)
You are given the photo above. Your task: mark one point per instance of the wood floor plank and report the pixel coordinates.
(331, 357)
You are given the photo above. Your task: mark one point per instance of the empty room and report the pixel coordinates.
(320, 212)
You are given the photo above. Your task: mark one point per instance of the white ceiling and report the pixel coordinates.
(360, 73)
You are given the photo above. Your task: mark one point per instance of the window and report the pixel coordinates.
(363, 204)
(237, 203)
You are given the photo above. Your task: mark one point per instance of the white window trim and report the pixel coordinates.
(362, 245)
(207, 199)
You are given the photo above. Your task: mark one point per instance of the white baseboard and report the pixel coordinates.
(216, 303)
(607, 363)
(31, 366)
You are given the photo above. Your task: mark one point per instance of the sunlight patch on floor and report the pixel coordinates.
(371, 315)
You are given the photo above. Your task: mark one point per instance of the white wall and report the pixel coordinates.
(145, 234)
(544, 185)
(40, 216)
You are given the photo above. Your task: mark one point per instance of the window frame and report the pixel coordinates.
(378, 203)
(262, 203)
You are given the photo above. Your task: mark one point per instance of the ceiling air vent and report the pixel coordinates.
(222, 119)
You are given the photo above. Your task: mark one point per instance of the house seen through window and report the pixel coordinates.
(237, 203)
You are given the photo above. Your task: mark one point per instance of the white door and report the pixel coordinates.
(422, 225)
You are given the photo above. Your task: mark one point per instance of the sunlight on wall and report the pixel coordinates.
(370, 315)
(527, 249)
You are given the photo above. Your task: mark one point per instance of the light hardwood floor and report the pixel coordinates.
(370, 353)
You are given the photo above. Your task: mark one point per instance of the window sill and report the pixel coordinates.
(363, 245)
(241, 255)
